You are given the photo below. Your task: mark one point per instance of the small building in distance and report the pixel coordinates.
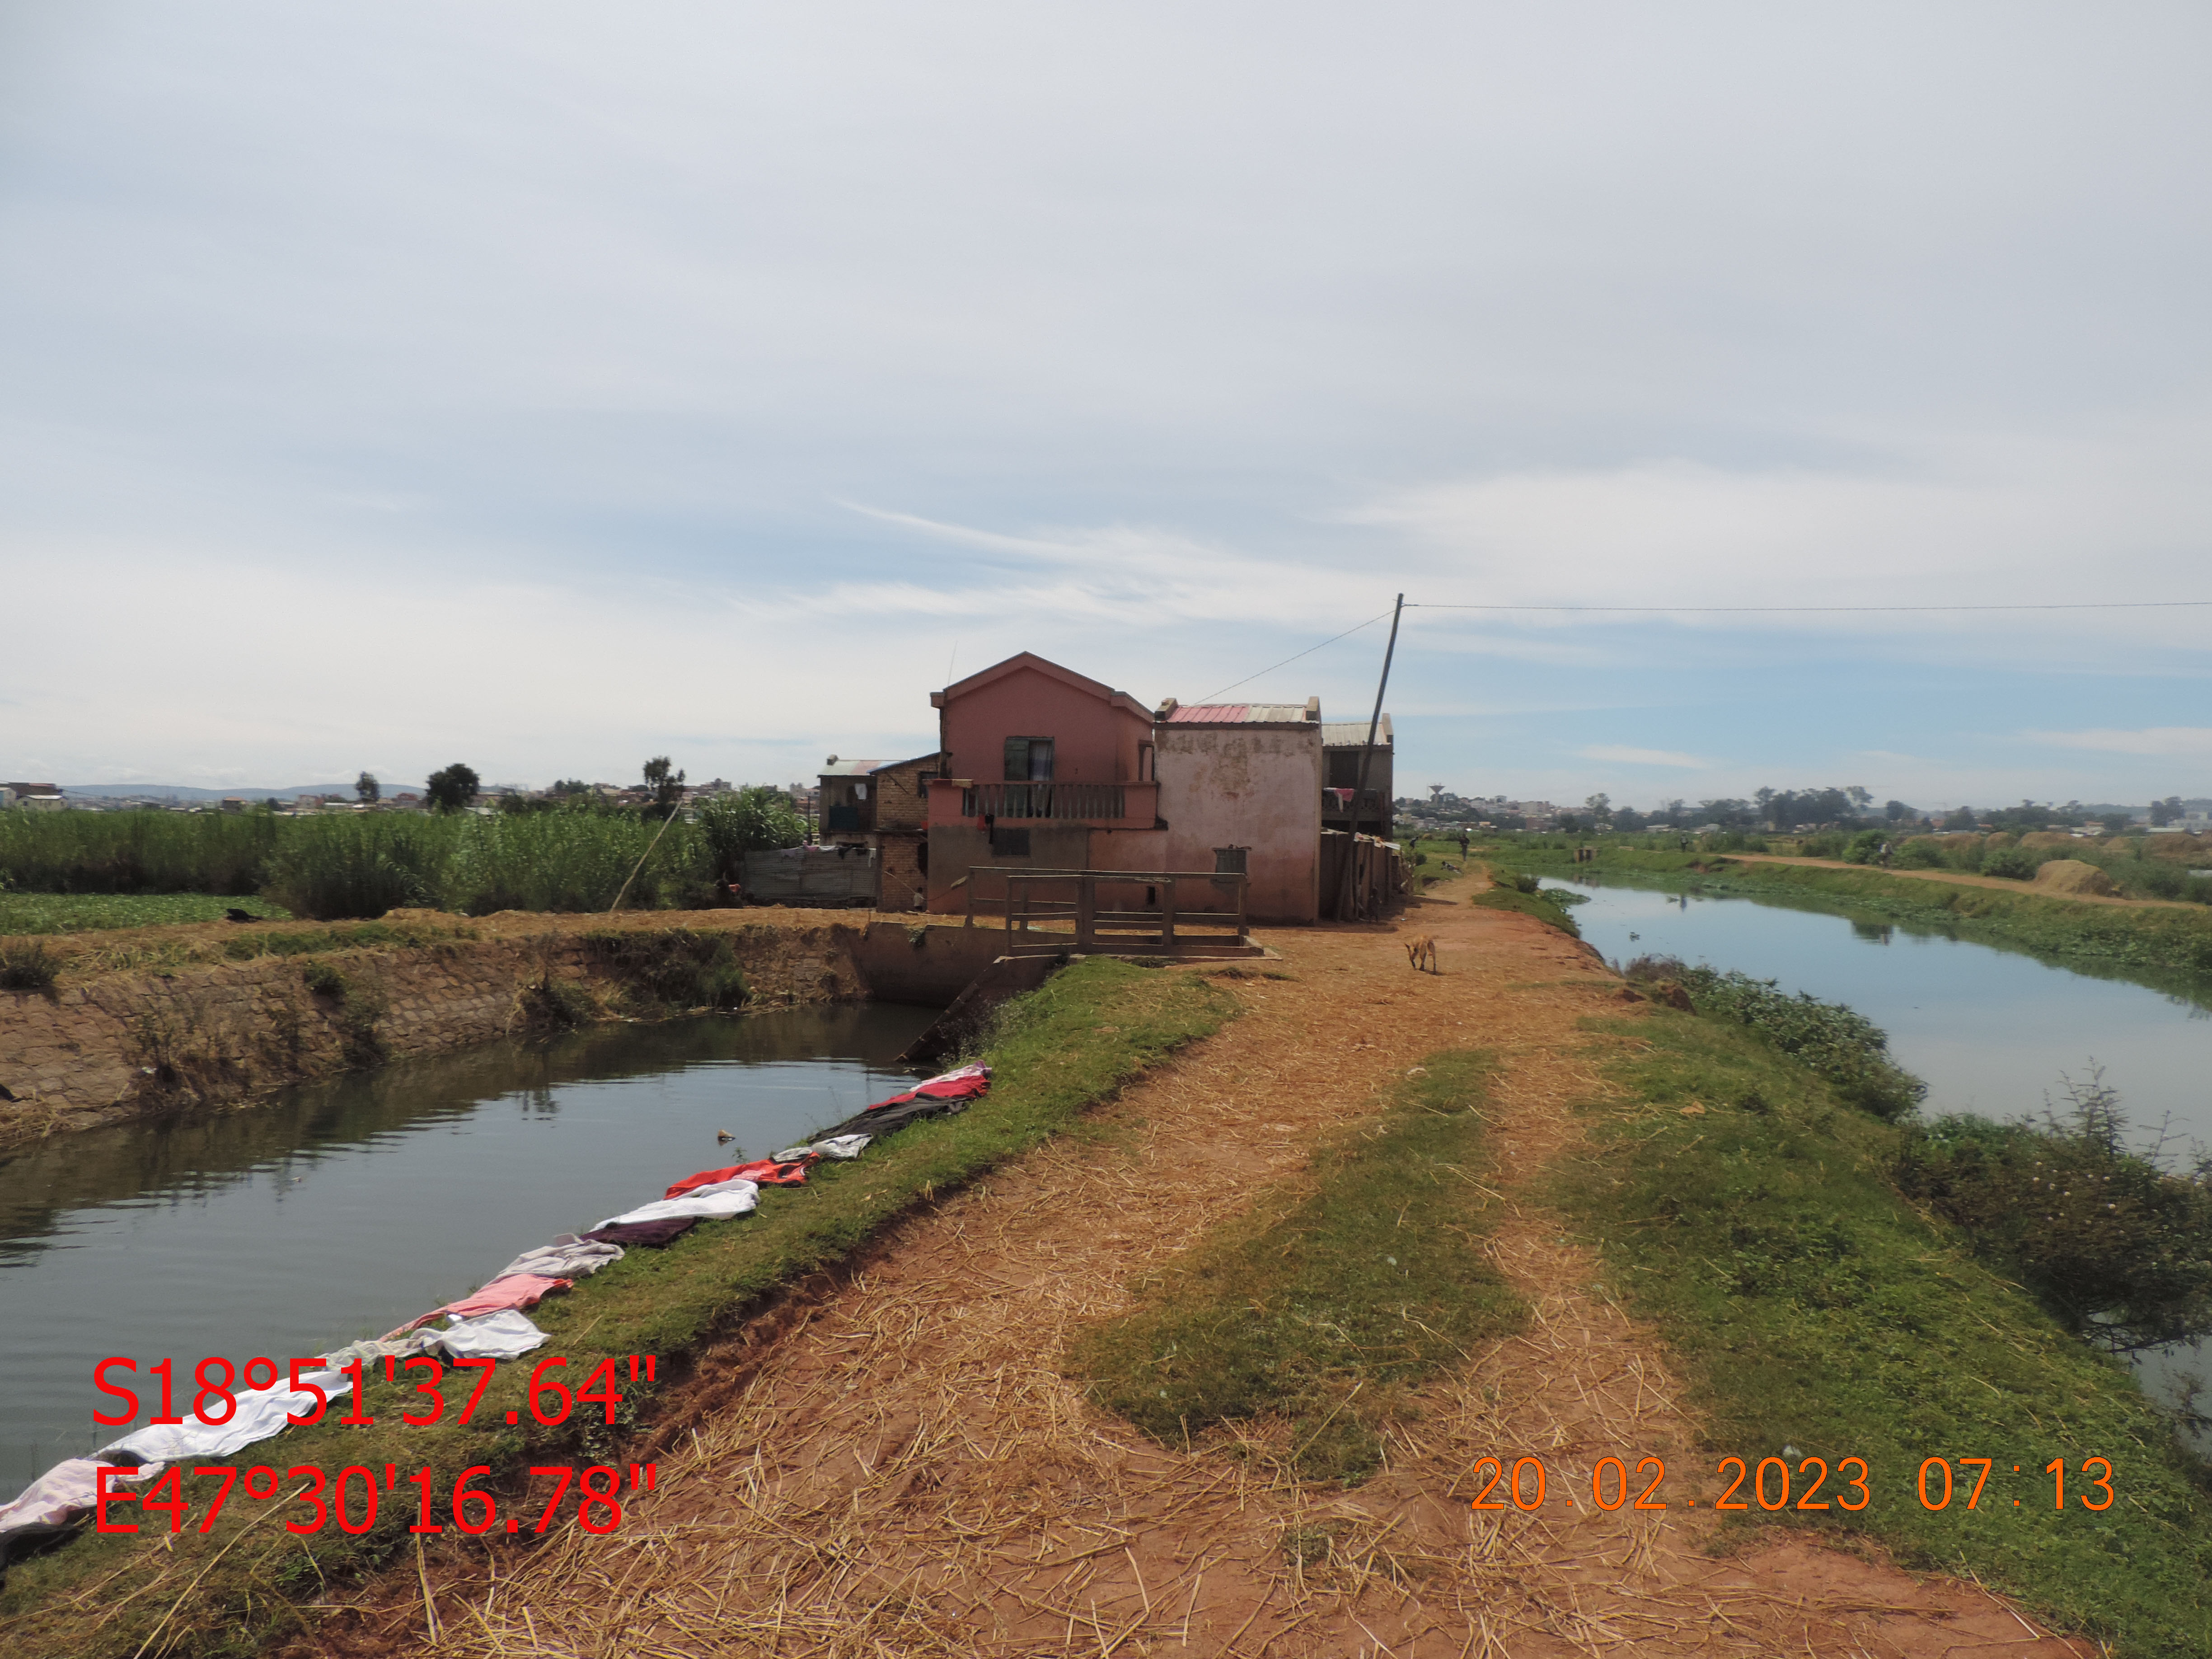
(39, 797)
(882, 805)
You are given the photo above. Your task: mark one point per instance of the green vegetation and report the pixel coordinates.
(1336, 1294)
(670, 970)
(27, 965)
(568, 858)
(76, 913)
(1523, 894)
(1084, 1034)
(1746, 1209)
(2145, 942)
(1843, 1046)
(2112, 1242)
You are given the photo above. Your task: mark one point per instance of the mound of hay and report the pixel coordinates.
(2046, 838)
(2002, 838)
(2073, 876)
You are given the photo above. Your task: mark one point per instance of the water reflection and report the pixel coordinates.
(337, 1210)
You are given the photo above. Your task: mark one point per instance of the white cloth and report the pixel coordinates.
(260, 1414)
(836, 1146)
(508, 1335)
(566, 1257)
(63, 1493)
(716, 1203)
(372, 1349)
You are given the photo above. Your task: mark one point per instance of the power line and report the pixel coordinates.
(1770, 609)
(1287, 661)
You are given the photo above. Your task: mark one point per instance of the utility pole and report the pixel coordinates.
(1367, 755)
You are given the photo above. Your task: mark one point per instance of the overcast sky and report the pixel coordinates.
(548, 386)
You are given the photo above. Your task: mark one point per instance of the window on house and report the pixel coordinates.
(1029, 760)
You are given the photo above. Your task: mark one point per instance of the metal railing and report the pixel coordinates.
(1041, 800)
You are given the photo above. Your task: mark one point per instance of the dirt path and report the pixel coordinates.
(900, 1467)
(1959, 878)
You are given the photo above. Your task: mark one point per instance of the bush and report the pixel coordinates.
(1842, 1045)
(670, 970)
(28, 966)
(2113, 1242)
(2012, 863)
(1864, 846)
(333, 868)
(1921, 852)
(755, 820)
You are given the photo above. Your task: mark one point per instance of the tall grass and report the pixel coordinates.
(327, 868)
(146, 851)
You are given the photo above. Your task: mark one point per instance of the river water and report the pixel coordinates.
(1992, 1032)
(339, 1210)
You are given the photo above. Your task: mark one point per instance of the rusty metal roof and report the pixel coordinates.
(853, 768)
(1237, 714)
(1352, 734)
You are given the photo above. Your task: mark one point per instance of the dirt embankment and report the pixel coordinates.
(163, 1028)
(1960, 879)
(900, 1465)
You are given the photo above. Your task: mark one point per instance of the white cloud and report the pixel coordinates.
(2192, 742)
(1628, 757)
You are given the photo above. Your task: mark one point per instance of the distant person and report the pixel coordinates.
(1463, 844)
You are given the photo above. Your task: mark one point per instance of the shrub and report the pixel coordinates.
(1864, 846)
(1842, 1045)
(755, 820)
(674, 969)
(2114, 1243)
(26, 965)
(1921, 852)
(2012, 863)
(333, 868)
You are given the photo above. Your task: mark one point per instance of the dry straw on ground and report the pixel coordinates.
(899, 1466)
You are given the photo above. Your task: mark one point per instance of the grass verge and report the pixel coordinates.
(78, 913)
(2151, 940)
(1813, 1308)
(1531, 900)
(1335, 1295)
(1088, 1032)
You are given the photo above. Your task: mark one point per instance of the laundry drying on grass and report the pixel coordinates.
(487, 1324)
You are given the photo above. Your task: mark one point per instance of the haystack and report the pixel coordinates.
(2073, 876)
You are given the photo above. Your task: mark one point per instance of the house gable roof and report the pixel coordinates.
(1051, 669)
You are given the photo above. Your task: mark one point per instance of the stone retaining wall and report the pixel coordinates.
(99, 1050)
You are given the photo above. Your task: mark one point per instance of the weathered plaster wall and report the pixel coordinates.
(93, 1052)
(956, 849)
(1257, 787)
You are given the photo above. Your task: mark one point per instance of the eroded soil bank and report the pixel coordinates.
(899, 1462)
(147, 1020)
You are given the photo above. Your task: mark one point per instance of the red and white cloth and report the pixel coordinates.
(514, 1291)
(969, 1083)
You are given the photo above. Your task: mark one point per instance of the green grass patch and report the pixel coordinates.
(1813, 1307)
(1335, 1295)
(76, 913)
(1528, 898)
(2169, 947)
(1089, 1031)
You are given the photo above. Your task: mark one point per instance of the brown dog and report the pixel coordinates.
(1422, 951)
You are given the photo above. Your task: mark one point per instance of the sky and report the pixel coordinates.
(549, 386)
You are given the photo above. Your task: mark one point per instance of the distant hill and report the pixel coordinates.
(190, 792)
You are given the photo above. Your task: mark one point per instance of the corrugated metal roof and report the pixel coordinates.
(1237, 714)
(1340, 734)
(852, 768)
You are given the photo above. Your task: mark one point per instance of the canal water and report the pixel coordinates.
(340, 1210)
(1992, 1032)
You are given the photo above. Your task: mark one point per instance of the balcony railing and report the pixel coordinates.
(1042, 800)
